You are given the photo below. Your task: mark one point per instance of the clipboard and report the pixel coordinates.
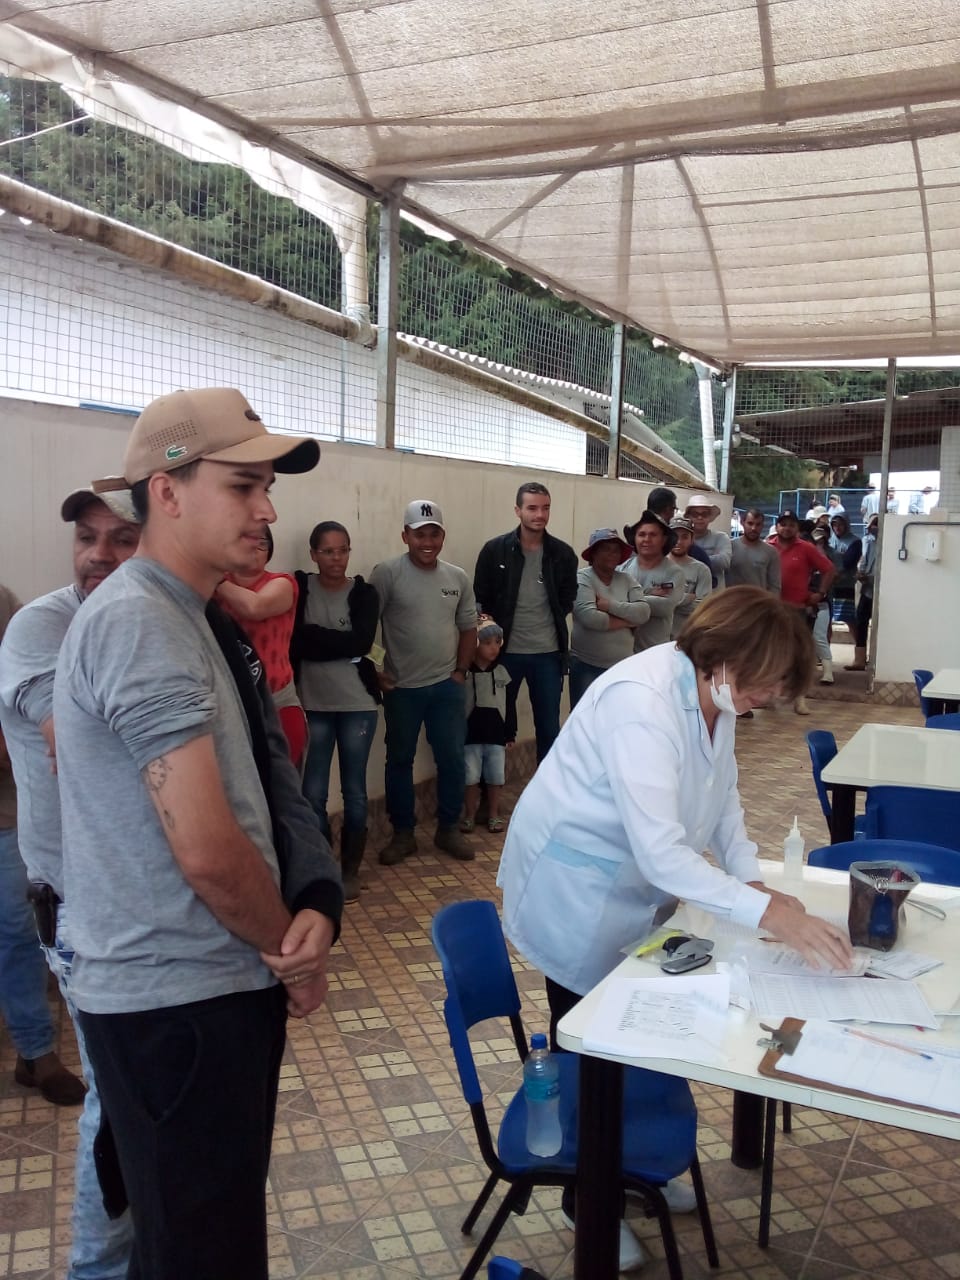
(791, 1030)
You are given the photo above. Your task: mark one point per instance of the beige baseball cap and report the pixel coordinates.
(215, 423)
(112, 491)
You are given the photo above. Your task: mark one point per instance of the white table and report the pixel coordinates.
(945, 685)
(886, 755)
(598, 1195)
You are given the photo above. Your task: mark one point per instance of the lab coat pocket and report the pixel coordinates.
(567, 897)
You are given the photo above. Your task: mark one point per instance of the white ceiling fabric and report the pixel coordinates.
(750, 179)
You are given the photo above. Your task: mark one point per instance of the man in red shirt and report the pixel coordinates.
(799, 560)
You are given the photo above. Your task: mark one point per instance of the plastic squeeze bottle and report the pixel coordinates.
(793, 853)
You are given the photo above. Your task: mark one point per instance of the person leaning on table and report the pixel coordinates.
(608, 835)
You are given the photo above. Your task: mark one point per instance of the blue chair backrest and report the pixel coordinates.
(913, 813)
(950, 720)
(823, 747)
(930, 861)
(929, 706)
(479, 980)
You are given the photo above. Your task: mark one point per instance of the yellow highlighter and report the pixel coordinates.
(656, 941)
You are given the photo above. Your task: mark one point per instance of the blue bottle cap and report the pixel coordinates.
(538, 1041)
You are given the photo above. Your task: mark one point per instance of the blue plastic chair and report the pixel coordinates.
(929, 706)
(914, 813)
(822, 746)
(660, 1118)
(950, 720)
(930, 861)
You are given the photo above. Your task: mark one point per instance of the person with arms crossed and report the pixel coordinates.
(203, 898)
(661, 582)
(609, 606)
(429, 622)
(717, 545)
(697, 582)
(526, 580)
(105, 534)
(335, 626)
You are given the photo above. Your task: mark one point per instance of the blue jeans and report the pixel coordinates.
(543, 673)
(23, 975)
(99, 1246)
(442, 709)
(582, 676)
(351, 732)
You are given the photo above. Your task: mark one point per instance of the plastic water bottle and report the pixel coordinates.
(793, 854)
(541, 1088)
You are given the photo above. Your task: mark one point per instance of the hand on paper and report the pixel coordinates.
(823, 944)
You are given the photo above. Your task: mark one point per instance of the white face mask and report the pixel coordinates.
(721, 695)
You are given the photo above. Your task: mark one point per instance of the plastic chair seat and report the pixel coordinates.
(656, 1147)
(949, 720)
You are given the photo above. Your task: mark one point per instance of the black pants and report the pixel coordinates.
(864, 614)
(561, 1000)
(191, 1093)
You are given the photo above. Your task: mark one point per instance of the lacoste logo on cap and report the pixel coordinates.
(175, 451)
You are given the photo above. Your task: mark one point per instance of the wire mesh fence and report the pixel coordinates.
(66, 339)
(804, 437)
(49, 142)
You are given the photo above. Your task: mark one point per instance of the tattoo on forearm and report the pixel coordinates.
(155, 775)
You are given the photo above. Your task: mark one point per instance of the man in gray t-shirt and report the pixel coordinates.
(754, 563)
(105, 534)
(203, 898)
(429, 623)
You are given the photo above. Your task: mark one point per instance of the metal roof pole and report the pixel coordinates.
(891, 395)
(729, 399)
(388, 302)
(616, 400)
(707, 430)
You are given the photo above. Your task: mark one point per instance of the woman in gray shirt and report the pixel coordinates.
(608, 606)
(662, 583)
(334, 629)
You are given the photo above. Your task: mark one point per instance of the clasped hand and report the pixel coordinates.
(302, 963)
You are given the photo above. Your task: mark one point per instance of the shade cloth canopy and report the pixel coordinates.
(752, 181)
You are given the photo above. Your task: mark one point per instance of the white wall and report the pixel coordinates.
(917, 612)
(48, 450)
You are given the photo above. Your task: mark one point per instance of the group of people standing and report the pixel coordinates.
(192, 699)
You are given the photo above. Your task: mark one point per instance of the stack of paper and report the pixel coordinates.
(675, 1017)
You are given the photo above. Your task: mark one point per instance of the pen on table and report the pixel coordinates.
(887, 1044)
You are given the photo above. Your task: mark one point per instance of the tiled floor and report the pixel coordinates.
(375, 1162)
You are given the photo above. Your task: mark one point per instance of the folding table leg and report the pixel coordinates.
(596, 1250)
(766, 1177)
(843, 810)
(746, 1139)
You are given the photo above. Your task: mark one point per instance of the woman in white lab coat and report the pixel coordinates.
(609, 833)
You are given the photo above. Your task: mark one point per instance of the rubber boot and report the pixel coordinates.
(352, 845)
(826, 676)
(859, 662)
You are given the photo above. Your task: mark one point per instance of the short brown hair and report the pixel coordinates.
(761, 640)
